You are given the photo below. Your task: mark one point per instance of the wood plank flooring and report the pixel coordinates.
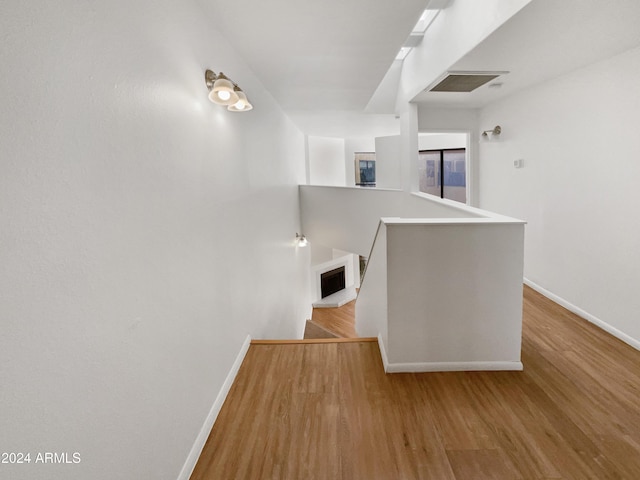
(313, 330)
(328, 411)
(340, 320)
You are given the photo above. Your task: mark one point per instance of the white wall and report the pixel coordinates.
(441, 141)
(445, 294)
(578, 190)
(371, 306)
(327, 161)
(388, 172)
(355, 266)
(326, 221)
(409, 147)
(320, 253)
(454, 294)
(352, 146)
(446, 120)
(144, 233)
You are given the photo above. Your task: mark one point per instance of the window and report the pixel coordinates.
(365, 166)
(443, 173)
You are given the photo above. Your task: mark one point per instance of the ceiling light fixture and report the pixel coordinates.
(223, 91)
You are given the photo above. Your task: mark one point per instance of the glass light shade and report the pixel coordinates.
(242, 105)
(222, 92)
(302, 240)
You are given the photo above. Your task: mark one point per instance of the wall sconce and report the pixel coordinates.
(223, 91)
(496, 131)
(301, 240)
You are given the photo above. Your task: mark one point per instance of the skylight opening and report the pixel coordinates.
(416, 35)
(404, 51)
(426, 19)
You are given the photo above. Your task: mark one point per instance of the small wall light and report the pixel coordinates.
(242, 105)
(223, 91)
(495, 131)
(301, 240)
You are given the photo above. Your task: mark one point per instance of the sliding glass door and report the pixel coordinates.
(443, 173)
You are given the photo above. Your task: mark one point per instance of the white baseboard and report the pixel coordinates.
(453, 367)
(202, 437)
(586, 315)
(442, 366)
(383, 353)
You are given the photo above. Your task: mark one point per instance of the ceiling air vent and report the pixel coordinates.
(462, 81)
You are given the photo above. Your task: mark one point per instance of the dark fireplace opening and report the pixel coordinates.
(332, 281)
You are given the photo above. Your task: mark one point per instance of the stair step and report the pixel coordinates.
(314, 340)
(313, 330)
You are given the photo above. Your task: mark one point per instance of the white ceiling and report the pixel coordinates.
(547, 38)
(318, 54)
(318, 57)
(323, 60)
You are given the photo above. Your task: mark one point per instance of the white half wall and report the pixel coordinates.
(347, 218)
(371, 306)
(326, 161)
(578, 189)
(454, 294)
(145, 232)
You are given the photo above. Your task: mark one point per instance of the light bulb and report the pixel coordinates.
(302, 240)
(242, 104)
(222, 91)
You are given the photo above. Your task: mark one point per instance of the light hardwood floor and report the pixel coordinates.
(340, 320)
(328, 411)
